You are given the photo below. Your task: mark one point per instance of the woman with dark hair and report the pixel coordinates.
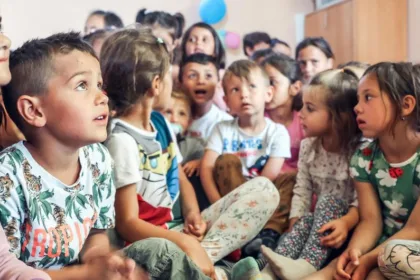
(101, 20)
(314, 55)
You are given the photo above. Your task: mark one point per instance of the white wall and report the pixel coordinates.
(25, 19)
(413, 31)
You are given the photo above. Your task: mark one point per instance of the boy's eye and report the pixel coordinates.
(272, 82)
(192, 76)
(252, 85)
(234, 90)
(209, 76)
(182, 114)
(82, 86)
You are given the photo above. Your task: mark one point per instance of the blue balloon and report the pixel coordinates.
(212, 11)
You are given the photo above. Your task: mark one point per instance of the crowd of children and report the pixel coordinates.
(136, 153)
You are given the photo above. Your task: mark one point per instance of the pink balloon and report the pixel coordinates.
(232, 40)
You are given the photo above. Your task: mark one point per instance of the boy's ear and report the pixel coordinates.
(295, 88)
(248, 51)
(31, 111)
(408, 105)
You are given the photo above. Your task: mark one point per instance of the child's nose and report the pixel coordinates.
(101, 97)
(357, 108)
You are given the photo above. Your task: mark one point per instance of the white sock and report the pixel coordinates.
(287, 268)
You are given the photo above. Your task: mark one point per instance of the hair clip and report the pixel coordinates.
(160, 41)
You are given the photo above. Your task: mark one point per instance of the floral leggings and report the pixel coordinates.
(400, 259)
(238, 217)
(303, 242)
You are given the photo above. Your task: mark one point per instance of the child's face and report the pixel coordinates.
(75, 106)
(280, 48)
(313, 61)
(164, 97)
(375, 113)
(93, 23)
(200, 41)
(179, 113)
(315, 118)
(247, 98)
(281, 88)
(4, 60)
(200, 81)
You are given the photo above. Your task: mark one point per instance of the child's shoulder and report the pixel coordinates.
(275, 127)
(366, 148)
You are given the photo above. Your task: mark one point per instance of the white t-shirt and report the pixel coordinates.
(46, 221)
(253, 150)
(202, 127)
(200, 130)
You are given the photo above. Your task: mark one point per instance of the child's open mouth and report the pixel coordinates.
(200, 92)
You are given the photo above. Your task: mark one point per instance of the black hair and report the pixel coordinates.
(254, 38)
(111, 20)
(398, 80)
(340, 86)
(98, 34)
(164, 19)
(199, 58)
(261, 54)
(32, 65)
(276, 41)
(219, 50)
(318, 42)
(289, 68)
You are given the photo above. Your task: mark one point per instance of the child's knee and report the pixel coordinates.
(396, 253)
(329, 201)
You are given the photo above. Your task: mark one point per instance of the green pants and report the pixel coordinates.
(162, 259)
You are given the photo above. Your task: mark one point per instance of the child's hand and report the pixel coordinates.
(192, 167)
(198, 255)
(292, 222)
(347, 263)
(111, 266)
(195, 226)
(337, 237)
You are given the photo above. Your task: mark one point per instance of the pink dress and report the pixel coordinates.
(296, 136)
(13, 269)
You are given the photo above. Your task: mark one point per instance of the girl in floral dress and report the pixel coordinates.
(386, 173)
(329, 123)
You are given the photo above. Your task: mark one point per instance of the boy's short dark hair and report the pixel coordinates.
(32, 65)
(242, 69)
(199, 58)
(257, 55)
(276, 41)
(254, 38)
(91, 38)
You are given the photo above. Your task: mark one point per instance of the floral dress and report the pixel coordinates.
(397, 184)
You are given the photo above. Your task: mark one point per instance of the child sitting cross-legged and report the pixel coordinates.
(248, 146)
(329, 123)
(57, 192)
(154, 198)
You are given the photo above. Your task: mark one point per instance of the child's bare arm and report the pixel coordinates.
(272, 168)
(206, 175)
